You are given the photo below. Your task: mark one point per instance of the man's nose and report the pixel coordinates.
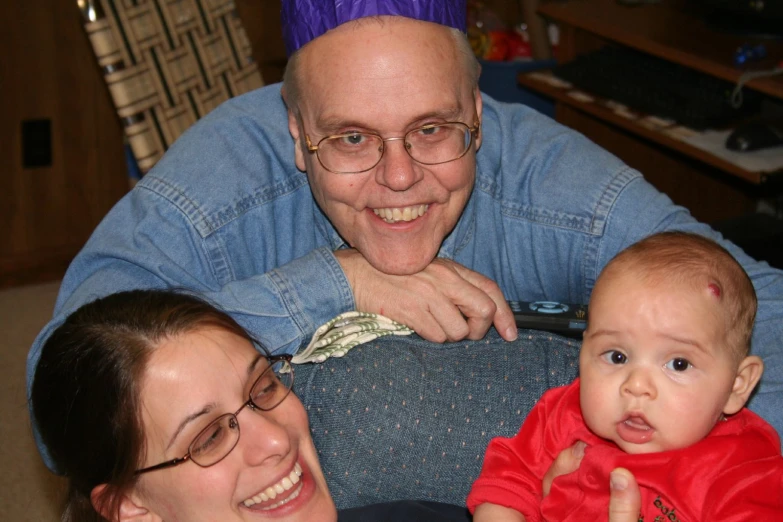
(397, 170)
(262, 437)
(639, 383)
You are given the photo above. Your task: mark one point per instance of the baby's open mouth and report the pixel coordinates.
(637, 422)
(635, 429)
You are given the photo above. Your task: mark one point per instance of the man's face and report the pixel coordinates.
(387, 78)
(656, 373)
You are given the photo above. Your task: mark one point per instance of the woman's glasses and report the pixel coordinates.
(217, 440)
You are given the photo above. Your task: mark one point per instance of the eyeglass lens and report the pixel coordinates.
(429, 145)
(216, 441)
(221, 435)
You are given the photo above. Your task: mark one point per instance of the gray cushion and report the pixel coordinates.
(404, 418)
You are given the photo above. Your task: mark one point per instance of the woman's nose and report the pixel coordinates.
(263, 437)
(397, 170)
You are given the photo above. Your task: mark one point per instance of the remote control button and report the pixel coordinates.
(548, 307)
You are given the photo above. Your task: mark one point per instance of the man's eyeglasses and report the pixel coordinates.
(355, 152)
(217, 440)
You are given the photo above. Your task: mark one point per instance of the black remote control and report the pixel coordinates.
(561, 318)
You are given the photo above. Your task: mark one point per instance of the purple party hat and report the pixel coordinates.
(305, 20)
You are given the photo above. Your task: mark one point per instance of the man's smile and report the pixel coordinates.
(396, 214)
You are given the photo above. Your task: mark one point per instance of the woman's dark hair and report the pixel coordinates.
(85, 394)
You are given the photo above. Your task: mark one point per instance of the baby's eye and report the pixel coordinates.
(614, 357)
(678, 364)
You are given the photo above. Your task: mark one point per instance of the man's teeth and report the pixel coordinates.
(393, 215)
(281, 487)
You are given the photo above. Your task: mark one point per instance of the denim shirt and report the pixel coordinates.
(226, 213)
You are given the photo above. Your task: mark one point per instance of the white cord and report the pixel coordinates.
(736, 96)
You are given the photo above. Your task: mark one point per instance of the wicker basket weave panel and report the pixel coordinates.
(167, 63)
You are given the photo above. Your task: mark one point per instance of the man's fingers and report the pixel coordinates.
(443, 302)
(503, 317)
(626, 499)
(504, 321)
(566, 462)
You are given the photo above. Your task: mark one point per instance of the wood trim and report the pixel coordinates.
(599, 109)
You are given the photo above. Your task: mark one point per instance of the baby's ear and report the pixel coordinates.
(748, 375)
(131, 508)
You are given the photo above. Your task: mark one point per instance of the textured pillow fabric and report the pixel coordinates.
(402, 418)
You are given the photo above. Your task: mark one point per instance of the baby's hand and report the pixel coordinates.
(495, 513)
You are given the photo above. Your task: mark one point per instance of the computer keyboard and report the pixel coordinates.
(655, 86)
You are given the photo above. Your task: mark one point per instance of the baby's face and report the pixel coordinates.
(655, 371)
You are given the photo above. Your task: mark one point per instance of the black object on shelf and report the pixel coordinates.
(659, 87)
(756, 135)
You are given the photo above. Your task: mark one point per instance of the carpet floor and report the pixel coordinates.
(28, 491)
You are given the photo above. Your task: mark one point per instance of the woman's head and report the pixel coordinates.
(129, 381)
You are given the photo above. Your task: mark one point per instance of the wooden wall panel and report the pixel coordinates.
(261, 19)
(48, 72)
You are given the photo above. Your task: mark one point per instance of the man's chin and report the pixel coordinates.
(399, 265)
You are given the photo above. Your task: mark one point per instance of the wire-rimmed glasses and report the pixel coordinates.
(216, 441)
(355, 152)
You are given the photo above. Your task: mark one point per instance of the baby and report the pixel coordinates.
(664, 374)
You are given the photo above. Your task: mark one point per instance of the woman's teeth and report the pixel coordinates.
(281, 487)
(393, 215)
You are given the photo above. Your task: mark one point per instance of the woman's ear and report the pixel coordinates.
(130, 508)
(748, 375)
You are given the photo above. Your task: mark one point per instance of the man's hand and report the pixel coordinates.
(626, 499)
(443, 302)
(566, 462)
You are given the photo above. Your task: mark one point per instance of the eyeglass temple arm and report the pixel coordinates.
(162, 465)
(310, 147)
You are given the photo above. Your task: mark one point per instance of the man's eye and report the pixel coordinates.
(614, 357)
(429, 131)
(353, 139)
(678, 364)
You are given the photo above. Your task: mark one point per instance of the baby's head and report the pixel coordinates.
(665, 353)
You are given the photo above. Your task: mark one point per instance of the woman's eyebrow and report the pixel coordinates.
(211, 406)
(254, 363)
(187, 420)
